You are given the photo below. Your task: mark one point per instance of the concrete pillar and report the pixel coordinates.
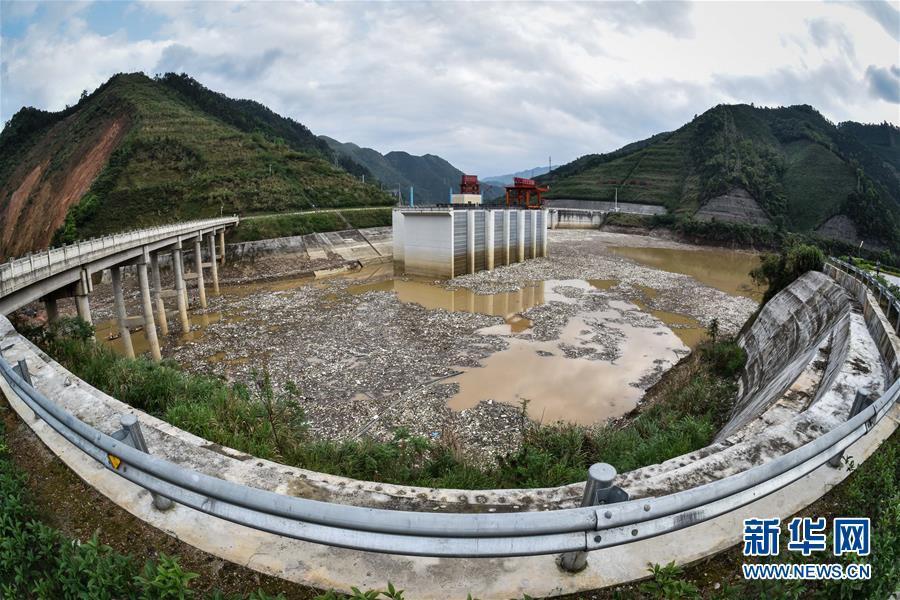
(533, 214)
(520, 229)
(470, 241)
(489, 240)
(82, 304)
(211, 239)
(121, 315)
(147, 302)
(222, 245)
(544, 235)
(52, 310)
(180, 293)
(506, 260)
(157, 296)
(198, 263)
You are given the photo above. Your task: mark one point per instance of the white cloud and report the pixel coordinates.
(492, 87)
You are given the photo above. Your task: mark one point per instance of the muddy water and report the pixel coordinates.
(508, 305)
(594, 370)
(725, 270)
(598, 365)
(108, 331)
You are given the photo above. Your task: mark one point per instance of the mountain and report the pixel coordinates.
(430, 175)
(785, 166)
(507, 179)
(141, 151)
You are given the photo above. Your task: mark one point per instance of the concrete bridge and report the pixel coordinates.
(71, 271)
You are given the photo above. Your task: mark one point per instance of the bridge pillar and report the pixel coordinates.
(157, 296)
(211, 239)
(180, 293)
(51, 308)
(198, 263)
(222, 245)
(147, 302)
(534, 239)
(121, 315)
(82, 303)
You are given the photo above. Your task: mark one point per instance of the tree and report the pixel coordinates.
(778, 271)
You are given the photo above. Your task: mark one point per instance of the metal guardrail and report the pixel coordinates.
(884, 294)
(575, 530)
(21, 272)
(448, 534)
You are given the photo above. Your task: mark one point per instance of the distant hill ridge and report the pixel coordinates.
(799, 169)
(431, 176)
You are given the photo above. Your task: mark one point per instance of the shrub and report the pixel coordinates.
(777, 271)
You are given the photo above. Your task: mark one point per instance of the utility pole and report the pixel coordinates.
(617, 198)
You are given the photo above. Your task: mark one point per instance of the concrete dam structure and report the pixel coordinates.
(796, 412)
(445, 242)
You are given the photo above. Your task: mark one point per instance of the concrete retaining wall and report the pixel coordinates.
(879, 326)
(366, 246)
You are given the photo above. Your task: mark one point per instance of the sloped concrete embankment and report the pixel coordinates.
(782, 341)
(819, 398)
(367, 246)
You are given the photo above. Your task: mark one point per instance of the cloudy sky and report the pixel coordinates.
(492, 87)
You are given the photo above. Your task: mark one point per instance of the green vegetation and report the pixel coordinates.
(185, 152)
(430, 175)
(799, 167)
(778, 271)
(679, 418)
(37, 561)
(273, 226)
(872, 490)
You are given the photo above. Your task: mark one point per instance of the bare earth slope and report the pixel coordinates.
(139, 152)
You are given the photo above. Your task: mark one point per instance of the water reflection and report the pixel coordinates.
(508, 305)
(725, 270)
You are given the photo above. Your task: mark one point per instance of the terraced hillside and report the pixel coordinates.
(140, 151)
(798, 167)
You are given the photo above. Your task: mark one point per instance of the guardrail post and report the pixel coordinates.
(22, 369)
(861, 402)
(598, 489)
(132, 428)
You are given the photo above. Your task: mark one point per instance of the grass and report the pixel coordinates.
(37, 561)
(256, 420)
(275, 226)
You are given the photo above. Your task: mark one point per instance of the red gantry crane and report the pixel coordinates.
(469, 185)
(524, 193)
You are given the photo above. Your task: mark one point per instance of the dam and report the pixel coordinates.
(795, 411)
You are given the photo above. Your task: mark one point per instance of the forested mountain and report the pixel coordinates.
(797, 170)
(508, 178)
(140, 151)
(430, 175)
